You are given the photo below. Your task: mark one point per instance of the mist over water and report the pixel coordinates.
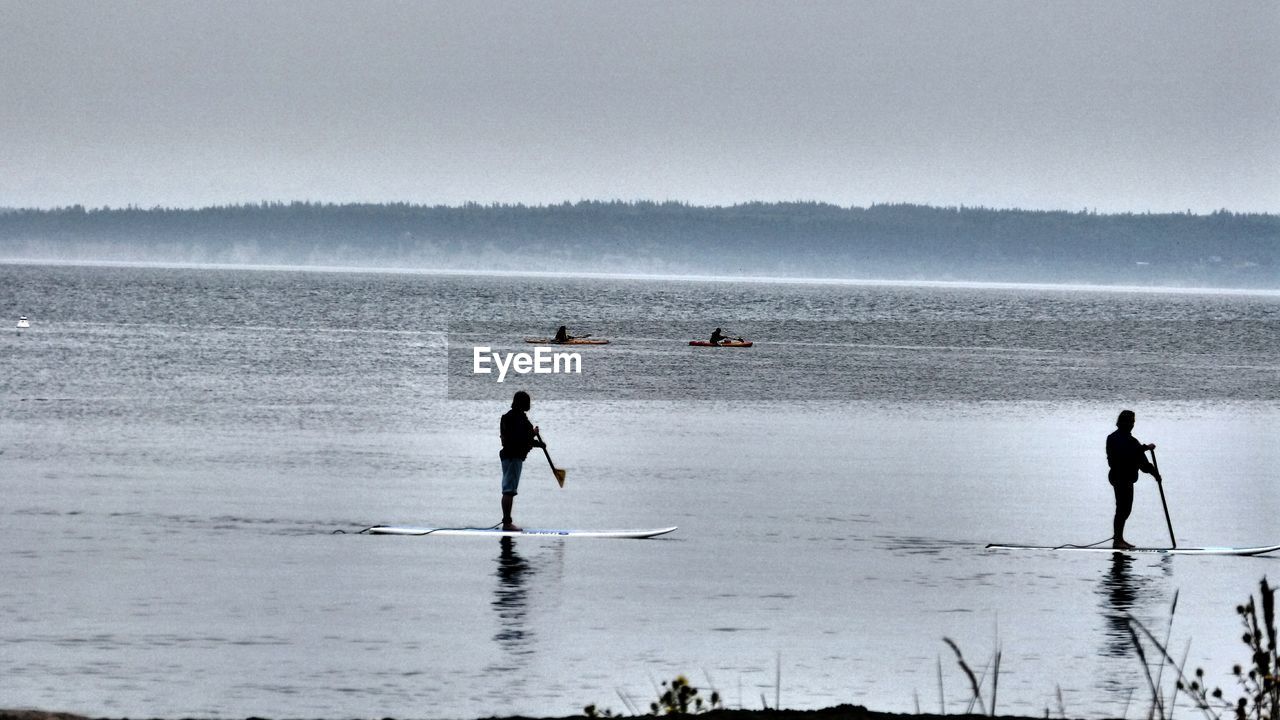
(794, 239)
(180, 444)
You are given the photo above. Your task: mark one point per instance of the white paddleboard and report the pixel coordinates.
(1149, 551)
(495, 532)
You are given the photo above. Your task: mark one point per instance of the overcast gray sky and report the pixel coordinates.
(1162, 106)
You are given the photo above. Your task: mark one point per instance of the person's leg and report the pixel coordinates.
(510, 484)
(1124, 505)
(508, 499)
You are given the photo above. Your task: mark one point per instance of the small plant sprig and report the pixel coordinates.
(681, 698)
(678, 697)
(1260, 684)
(1261, 687)
(975, 682)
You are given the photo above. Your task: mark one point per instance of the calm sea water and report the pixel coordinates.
(179, 446)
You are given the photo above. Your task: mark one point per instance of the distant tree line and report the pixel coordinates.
(790, 239)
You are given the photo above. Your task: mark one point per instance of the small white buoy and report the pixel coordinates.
(22, 323)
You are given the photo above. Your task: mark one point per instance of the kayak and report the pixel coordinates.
(574, 341)
(496, 532)
(726, 343)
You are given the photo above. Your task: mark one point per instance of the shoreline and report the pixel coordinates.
(836, 712)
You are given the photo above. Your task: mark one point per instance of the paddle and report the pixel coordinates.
(1156, 466)
(558, 472)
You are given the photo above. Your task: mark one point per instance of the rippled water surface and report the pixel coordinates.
(178, 446)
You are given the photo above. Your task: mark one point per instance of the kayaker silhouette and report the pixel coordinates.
(1125, 456)
(562, 335)
(718, 337)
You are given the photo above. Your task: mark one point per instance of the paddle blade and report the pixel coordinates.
(559, 475)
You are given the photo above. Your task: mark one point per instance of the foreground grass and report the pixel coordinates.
(1256, 692)
(839, 712)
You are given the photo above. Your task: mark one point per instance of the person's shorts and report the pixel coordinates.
(511, 475)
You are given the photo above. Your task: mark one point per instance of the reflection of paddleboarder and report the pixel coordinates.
(510, 598)
(1125, 456)
(1120, 597)
(519, 436)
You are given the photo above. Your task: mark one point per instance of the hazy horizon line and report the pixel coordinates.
(681, 277)
(633, 202)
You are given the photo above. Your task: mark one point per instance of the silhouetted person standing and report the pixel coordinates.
(519, 436)
(1125, 456)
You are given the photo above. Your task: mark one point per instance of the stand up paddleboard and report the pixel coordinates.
(1147, 550)
(1174, 550)
(496, 532)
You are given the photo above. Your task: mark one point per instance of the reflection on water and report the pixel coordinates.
(1129, 587)
(524, 600)
(511, 600)
(1120, 594)
(517, 599)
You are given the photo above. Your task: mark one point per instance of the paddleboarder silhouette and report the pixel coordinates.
(1125, 457)
(519, 436)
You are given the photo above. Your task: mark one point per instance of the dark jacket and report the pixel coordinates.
(517, 435)
(1125, 457)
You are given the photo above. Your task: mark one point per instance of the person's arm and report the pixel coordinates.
(531, 435)
(1140, 451)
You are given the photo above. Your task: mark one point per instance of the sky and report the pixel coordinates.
(1113, 106)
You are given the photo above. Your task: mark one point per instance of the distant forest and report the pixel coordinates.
(898, 241)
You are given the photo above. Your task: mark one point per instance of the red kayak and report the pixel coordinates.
(726, 343)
